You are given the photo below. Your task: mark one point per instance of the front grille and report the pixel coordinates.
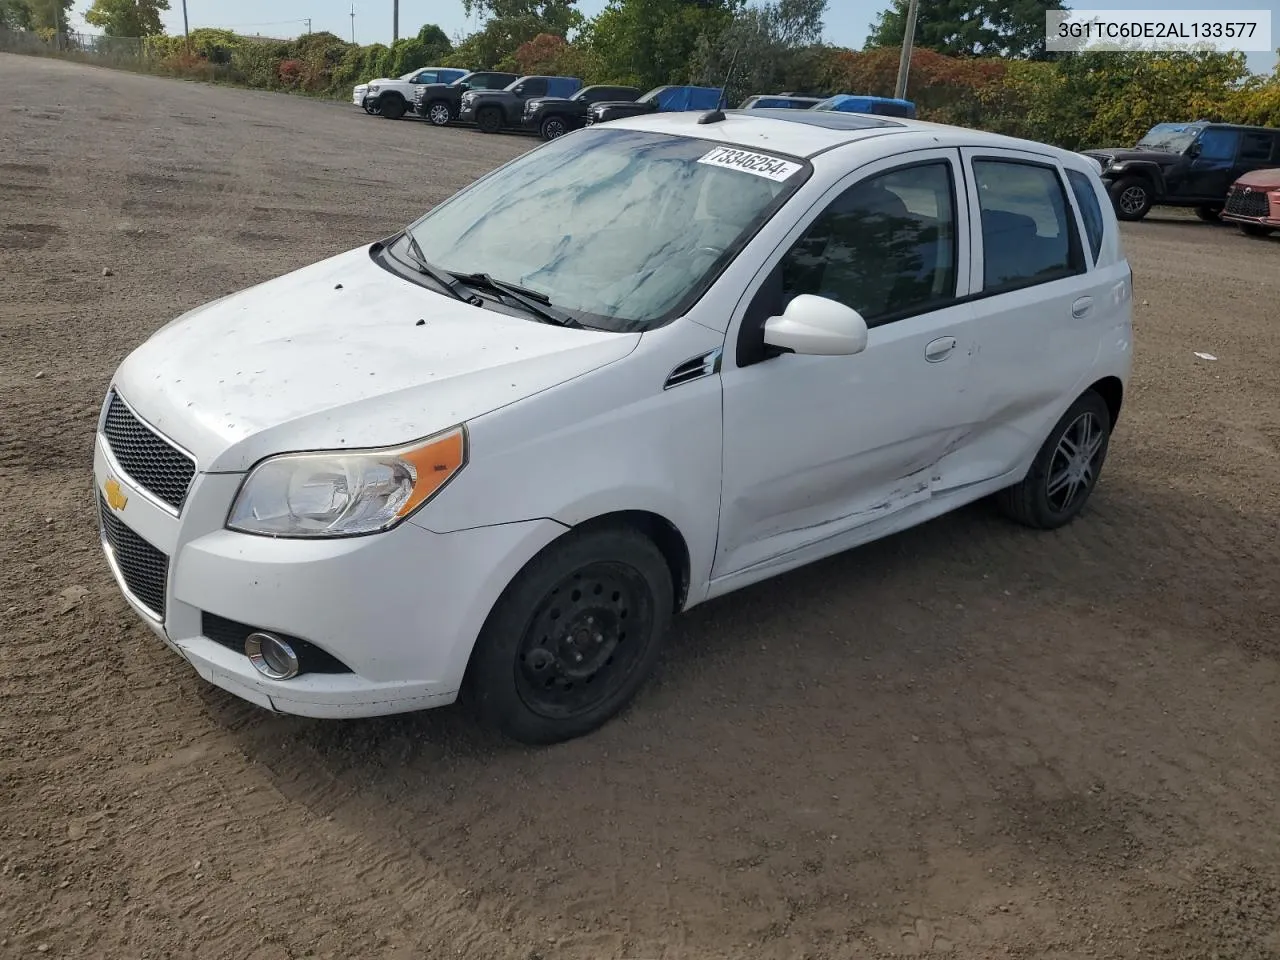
(149, 460)
(143, 568)
(1252, 204)
(230, 634)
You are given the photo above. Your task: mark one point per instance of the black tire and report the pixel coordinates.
(391, 107)
(1132, 198)
(1255, 230)
(553, 127)
(1035, 502)
(604, 593)
(1209, 214)
(489, 119)
(438, 113)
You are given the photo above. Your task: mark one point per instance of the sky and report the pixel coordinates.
(846, 20)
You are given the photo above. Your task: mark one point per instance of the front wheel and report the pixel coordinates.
(438, 113)
(1255, 230)
(1131, 198)
(1066, 469)
(391, 108)
(553, 127)
(573, 637)
(489, 120)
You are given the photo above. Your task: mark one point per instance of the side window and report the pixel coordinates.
(1028, 231)
(536, 87)
(483, 82)
(886, 247)
(1256, 147)
(426, 76)
(1090, 209)
(1219, 144)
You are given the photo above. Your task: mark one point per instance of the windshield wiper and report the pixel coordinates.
(531, 300)
(442, 277)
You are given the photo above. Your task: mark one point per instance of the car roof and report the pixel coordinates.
(807, 133)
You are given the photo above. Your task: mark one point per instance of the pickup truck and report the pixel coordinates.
(552, 117)
(664, 99)
(391, 98)
(492, 110)
(440, 102)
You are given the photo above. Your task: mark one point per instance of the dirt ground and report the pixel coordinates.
(969, 740)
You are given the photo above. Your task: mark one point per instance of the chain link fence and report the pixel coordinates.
(111, 51)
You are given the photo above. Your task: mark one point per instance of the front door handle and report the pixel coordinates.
(1082, 307)
(940, 349)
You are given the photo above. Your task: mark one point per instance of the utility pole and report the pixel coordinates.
(186, 32)
(353, 23)
(395, 20)
(908, 40)
(306, 20)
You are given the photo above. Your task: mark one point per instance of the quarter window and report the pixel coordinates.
(1028, 231)
(1090, 209)
(886, 247)
(1256, 147)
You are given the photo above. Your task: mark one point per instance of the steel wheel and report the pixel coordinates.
(1074, 467)
(584, 640)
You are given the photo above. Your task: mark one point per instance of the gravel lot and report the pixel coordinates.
(969, 740)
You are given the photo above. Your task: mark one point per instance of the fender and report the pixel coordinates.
(1148, 169)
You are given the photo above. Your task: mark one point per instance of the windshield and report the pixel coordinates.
(622, 228)
(651, 96)
(1169, 137)
(828, 104)
(409, 76)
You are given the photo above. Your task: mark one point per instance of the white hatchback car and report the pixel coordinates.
(636, 368)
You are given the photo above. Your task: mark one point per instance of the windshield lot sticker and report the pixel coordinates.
(761, 164)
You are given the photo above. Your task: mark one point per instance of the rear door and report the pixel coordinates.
(1039, 308)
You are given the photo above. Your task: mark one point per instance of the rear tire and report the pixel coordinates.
(1209, 214)
(1065, 471)
(391, 108)
(1132, 198)
(573, 637)
(1255, 230)
(489, 119)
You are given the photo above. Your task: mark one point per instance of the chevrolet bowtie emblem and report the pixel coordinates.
(116, 498)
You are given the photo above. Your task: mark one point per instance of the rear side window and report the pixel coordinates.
(1028, 231)
(1257, 147)
(1090, 209)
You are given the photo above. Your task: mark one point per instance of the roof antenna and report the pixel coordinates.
(717, 115)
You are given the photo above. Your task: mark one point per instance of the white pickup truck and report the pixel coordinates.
(394, 98)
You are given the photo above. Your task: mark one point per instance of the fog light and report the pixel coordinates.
(271, 656)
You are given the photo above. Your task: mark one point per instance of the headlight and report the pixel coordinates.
(345, 493)
(374, 89)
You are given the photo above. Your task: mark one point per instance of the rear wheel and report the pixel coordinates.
(391, 108)
(1209, 214)
(1065, 470)
(489, 119)
(1255, 230)
(438, 113)
(1132, 198)
(573, 637)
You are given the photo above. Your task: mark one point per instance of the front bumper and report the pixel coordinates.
(467, 113)
(401, 609)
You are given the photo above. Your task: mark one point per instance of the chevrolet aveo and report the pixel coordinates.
(636, 368)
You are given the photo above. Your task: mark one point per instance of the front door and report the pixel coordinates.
(1214, 170)
(815, 447)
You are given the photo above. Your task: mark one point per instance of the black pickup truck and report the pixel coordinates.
(492, 110)
(439, 102)
(552, 117)
(1184, 165)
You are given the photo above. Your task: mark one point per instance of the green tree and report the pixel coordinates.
(764, 48)
(651, 42)
(15, 15)
(49, 14)
(962, 28)
(556, 17)
(127, 18)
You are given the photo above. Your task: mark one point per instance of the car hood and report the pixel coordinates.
(1261, 179)
(342, 354)
(1118, 154)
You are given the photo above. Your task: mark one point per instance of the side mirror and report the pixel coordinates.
(1194, 150)
(817, 327)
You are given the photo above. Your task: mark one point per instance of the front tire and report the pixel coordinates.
(1132, 198)
(489, 119)
(391, 108)
(1066, 469)
(573, 637)
(553, 127)
(438, 113)
(1255, 230)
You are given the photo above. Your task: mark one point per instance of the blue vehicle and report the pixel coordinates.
(779, 101)
(880, 106)
(665, 99)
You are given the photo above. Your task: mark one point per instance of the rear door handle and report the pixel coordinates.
(1082, 307)
(940, 349)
